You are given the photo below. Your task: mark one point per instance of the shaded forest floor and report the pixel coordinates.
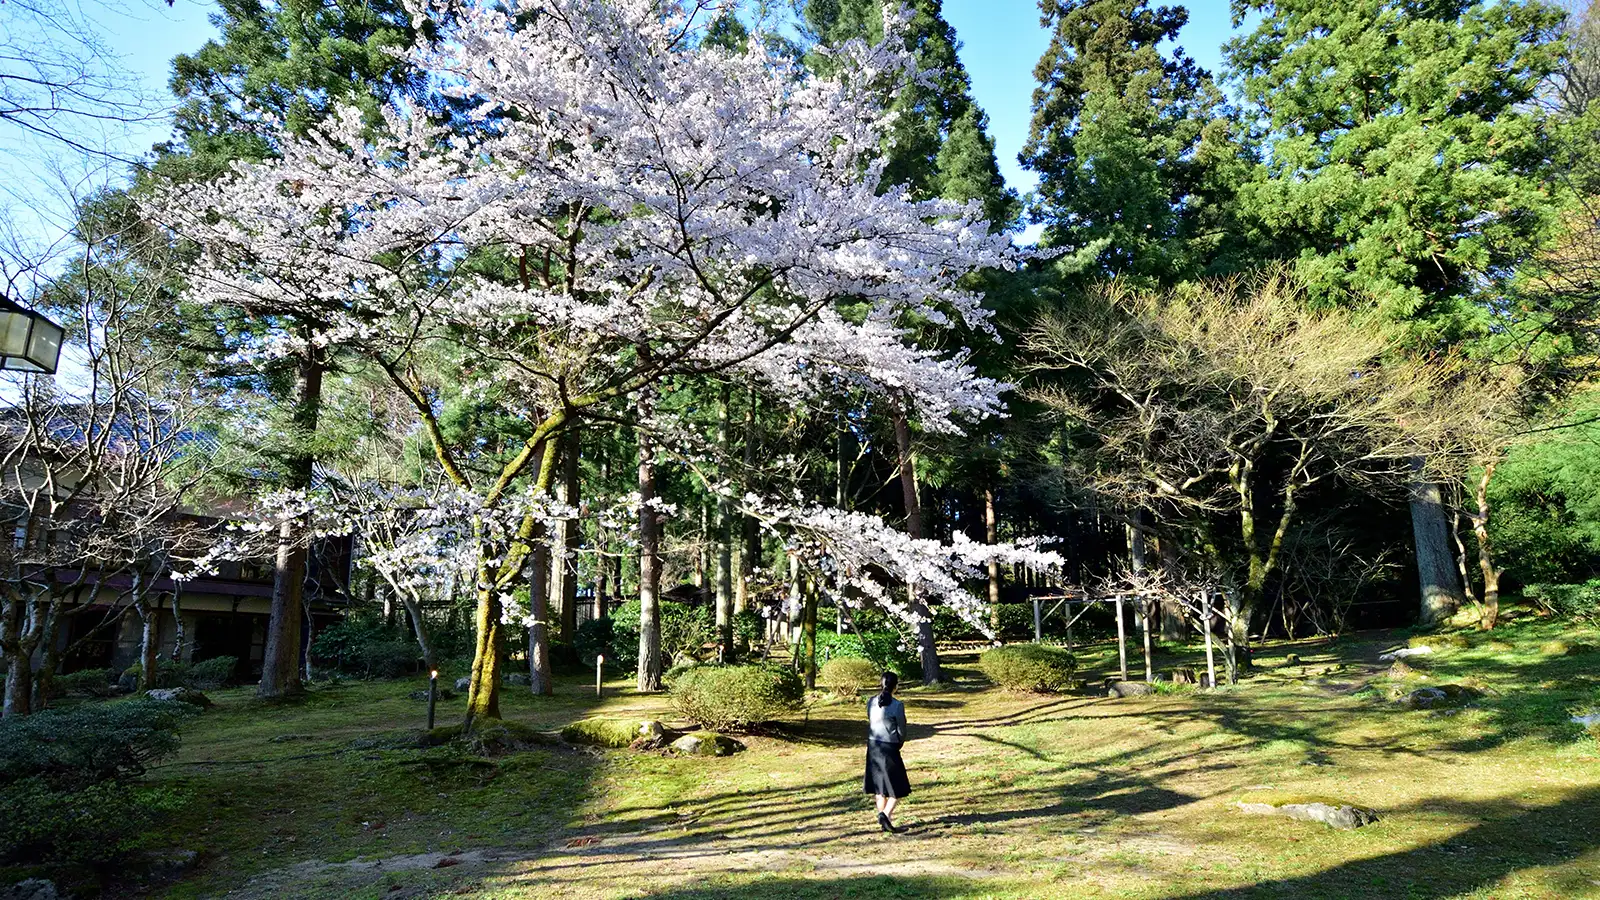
(1014, 796)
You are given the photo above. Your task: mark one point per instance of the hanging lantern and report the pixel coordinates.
(29, 342)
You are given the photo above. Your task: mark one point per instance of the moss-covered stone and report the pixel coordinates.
(603, 732)
(707, 743)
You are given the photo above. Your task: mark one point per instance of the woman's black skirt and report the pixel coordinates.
(886, 774)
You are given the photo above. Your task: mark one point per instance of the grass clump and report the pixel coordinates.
(736, 698)
(849, 677)
(1032, 668)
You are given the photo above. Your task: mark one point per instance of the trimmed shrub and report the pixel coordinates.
(88, 683)
(363, 646)
(65, 780)
(1034, 668)
(212, 673)
(848, 676)
(881, 648)
(736, 698)
(82, 745)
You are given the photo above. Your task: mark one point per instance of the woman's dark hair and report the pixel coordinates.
(888, 685)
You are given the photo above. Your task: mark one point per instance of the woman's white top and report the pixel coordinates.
(886, 723)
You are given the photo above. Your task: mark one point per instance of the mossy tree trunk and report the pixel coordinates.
(280, 662)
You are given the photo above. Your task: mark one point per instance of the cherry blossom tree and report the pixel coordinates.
(624, 207)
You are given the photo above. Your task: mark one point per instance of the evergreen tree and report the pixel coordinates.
(1407, 169)
(940, 144)
(1136, 164)
(294, 62)
(1406, 162)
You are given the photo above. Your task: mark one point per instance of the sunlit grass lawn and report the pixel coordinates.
(1015, 796)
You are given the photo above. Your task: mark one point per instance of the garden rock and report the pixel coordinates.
(180, 695)
(706, 743)
(1128, 689)
(168, 865)
(1184, 675)
(1339, 816)
(519, 679)
(463, 683)
(1443, 695)
(1405, 652)
(444, 694)
(1292, 659)
(1591, 720)
(31, 889)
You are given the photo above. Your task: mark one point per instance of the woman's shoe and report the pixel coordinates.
(885, 824)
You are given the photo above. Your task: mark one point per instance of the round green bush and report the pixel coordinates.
(848, 676)
(736, 698)
(1029, 667)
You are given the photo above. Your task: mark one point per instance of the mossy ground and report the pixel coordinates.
(1015, 796)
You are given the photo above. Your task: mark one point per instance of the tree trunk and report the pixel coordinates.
(18, 654)
(149, 634)
(1461, 548)
(420, 629)
(1480, 527)
(483, 696)
(649, 571)
(539, 579)
(178, 654)
(1174, 629)
(19, 686)
(564, 559)
(1436, 573)
(991, 534)
(724, 539)
(808, 636)
(149, 648)
(44, 676)
(280, 663)
(749, 529)
(926, 652)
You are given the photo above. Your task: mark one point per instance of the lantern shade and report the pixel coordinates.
(29, 342)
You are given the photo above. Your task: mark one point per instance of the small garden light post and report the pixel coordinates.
(29, 342)
(599, 672)
(433, 695)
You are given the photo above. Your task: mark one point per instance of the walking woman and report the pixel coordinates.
(886, 773)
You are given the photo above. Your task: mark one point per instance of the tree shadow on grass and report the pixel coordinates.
(866, 887)
(1507, 839)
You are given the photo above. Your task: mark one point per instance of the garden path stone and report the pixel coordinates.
(1404, 652)
(1341, 816)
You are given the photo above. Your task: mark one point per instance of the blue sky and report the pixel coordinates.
(1001, 42)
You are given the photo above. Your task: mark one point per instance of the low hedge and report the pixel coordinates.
(736, 698)
(848, 676)
(1035, 668)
